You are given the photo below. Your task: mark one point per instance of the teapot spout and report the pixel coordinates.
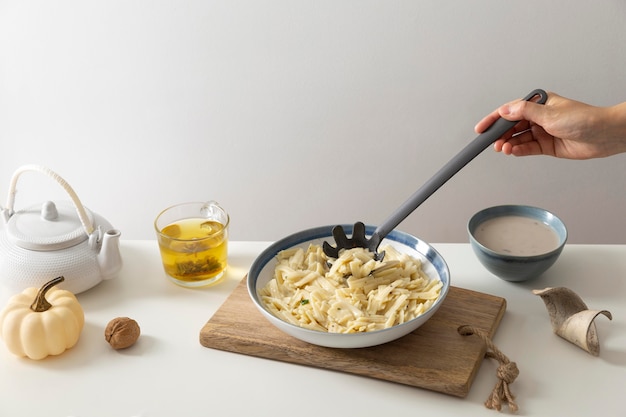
(109, 258)
(5, 214)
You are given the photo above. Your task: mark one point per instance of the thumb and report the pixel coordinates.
(523, 110)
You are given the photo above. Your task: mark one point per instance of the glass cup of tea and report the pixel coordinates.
(193, 240)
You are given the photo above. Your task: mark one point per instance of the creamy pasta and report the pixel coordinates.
(354, 294)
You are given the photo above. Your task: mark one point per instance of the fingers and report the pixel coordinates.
(510, 145)
(518, 149)
(486, 121)
(532, 141)
(514, 110)
(523, 110)
(505, 111)
(501, 145)
(530, 148)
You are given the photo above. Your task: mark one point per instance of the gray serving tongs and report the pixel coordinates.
(473, 149)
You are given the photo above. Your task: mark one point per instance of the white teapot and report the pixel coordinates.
(42, 242)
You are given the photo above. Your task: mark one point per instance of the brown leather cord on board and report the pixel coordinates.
(507, 371)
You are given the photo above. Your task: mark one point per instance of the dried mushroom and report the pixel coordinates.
(571, 319)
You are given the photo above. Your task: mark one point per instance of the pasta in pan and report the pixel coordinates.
(354, 294)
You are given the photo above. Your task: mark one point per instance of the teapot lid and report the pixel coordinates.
(47, 227)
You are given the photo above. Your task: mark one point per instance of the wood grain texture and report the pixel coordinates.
(433, 357)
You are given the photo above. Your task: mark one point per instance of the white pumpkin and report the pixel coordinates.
(41, 322)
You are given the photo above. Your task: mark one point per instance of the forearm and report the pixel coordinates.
(613, 128)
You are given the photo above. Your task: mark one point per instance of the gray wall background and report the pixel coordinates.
(295, 114)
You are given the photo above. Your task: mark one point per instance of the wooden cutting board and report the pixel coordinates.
(433, 357)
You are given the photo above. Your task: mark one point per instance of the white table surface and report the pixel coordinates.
(168, 373)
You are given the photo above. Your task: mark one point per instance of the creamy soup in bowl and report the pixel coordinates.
(516, 242)
(517, 235)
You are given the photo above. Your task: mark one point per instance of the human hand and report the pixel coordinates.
(561, 127)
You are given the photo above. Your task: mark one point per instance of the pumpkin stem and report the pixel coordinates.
(41, 304)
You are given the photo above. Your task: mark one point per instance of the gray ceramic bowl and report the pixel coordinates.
(499, 252)
(262, 271)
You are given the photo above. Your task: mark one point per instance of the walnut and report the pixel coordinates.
(122, 332)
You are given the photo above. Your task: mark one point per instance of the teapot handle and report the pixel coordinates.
(80, 209)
